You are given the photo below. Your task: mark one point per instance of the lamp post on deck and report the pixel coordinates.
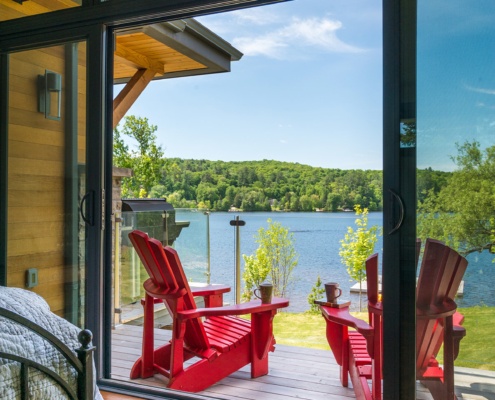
(237, 223)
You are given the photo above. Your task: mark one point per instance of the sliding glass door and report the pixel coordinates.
(46, 175)
(439, 169)
(456, 152)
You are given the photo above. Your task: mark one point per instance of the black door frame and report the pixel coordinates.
(91, 21)
(399, 201)
(95, 114)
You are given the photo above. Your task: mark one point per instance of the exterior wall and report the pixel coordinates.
(37, 176)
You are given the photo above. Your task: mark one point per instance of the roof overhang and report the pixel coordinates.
(171, 49)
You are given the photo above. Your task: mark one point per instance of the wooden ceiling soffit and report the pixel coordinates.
(137, 60)
(129, 94)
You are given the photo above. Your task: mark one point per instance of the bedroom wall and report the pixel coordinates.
(38, 180)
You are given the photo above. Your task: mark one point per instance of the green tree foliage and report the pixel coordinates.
(256, 270)
(271, 185)
(462, 212)
(250, 185)
(316, 293)
(146, 161)
(358, 244)
(275, 258)
(428, 180)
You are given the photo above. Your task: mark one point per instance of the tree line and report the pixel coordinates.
(265, 185)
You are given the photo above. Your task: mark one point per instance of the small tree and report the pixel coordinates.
(275, 257)
(145, 160)
(357, 246)
(256, 269)
(316, 292)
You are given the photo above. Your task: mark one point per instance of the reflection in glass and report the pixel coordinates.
(408, 134)
(456, 150)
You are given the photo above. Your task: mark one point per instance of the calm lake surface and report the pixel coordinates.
(317, 239)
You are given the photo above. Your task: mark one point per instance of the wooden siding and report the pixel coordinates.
(36, 235)
(12, 10)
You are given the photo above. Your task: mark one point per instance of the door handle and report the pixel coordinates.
(401, 212)
(87, 212)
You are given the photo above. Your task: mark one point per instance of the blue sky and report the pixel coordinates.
(456, 79)
(308, 89)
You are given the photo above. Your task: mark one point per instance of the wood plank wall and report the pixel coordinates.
(36, 174)
(11, 10)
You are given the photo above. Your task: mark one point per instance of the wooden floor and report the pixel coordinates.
(295, 372)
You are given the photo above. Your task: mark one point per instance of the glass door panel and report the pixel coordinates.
(456, 152)
(46, 175)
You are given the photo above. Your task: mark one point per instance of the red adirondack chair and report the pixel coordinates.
(222, 342)
(359, 351)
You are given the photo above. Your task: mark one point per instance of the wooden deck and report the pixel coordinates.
(295, 372)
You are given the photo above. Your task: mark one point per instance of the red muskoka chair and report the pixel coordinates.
(359, 352)
(222, 342)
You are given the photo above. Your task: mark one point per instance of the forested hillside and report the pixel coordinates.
(266, 185)
(248, 185)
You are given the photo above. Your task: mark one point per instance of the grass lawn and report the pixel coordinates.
(477, 348)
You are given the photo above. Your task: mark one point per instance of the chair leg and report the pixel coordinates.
(144, 366)
(261, 341)
(443, 389)
(448, 358)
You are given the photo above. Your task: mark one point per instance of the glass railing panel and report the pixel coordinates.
(185, 230)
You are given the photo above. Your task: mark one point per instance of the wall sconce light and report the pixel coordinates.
(50, 94)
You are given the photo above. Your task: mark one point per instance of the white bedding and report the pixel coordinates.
(23, 342)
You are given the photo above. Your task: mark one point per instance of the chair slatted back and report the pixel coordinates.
(442, 269)
(195, 336)
(418, 251)
(165, 270)
(372, 278)
(158, 269)
(441, 273)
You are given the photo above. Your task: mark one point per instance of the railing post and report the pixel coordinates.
(237, 223)
(116, 272)
(208, 271)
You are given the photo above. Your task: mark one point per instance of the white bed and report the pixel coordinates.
(20, 341)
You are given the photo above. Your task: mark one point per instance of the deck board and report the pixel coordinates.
(295, 372)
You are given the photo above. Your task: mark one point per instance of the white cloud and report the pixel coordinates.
(480, 90)
(319, 32)
(268, 46)
(299, 35)
(257, 16)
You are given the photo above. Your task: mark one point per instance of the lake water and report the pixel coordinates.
(317, 239)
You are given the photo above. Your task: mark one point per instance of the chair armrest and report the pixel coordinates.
(457, 319)
(442, 310)
(209, 290)
(251, 307)
(338, 321)
(342, 316)
(212, 294)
